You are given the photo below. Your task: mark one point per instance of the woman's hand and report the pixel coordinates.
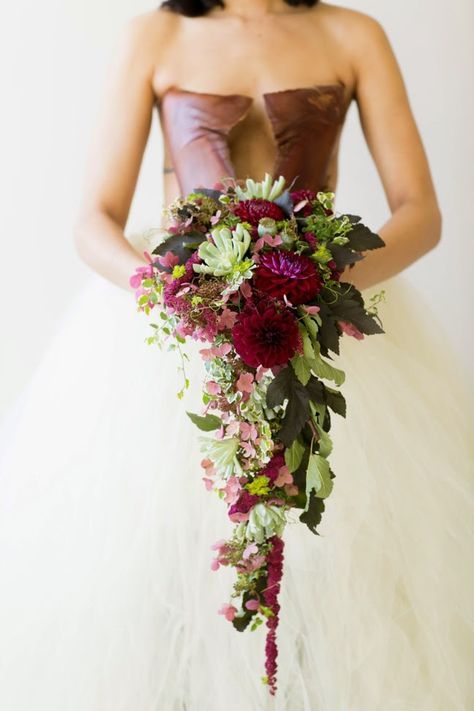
(396, 147)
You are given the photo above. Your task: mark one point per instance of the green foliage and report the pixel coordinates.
(180, 245)
(312, 515)
(318, 478)
(294, 455)
(208, 423)
(286, 386)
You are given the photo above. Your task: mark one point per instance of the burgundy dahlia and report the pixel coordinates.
(272, 467)
(253, 210)
(281, 273)
(299, 195)
(244, 503)
(265, 333)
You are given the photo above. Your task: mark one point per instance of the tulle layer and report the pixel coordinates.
(107, 599)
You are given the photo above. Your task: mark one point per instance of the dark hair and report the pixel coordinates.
(195, 8)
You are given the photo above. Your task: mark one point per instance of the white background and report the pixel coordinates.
(54, 54)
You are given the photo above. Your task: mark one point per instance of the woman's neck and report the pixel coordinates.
(254, 8)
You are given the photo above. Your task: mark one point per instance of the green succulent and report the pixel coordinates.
(222, 452)
(268, 189)
(225, 254)
(264, 522)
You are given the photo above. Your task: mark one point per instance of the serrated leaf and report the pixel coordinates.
(351, 311)
(302, 368)
(318, 478)
(312, 515)
(361, 238)
(206, 423)
(294, 455)
(286, 386)
(328, 334)
(343, 255)
(325, 370)
(352, 218)
(209, 192)
(336, 401)
(324, 443)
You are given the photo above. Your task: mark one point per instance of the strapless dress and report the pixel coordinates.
(107, 597)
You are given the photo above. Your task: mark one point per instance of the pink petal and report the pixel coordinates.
(168, 260)
(311, 309)
(246, 290)
(252, 604)
(213, 388)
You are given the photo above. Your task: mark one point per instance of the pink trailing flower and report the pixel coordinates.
(350, 330)
(232, 490)
(229, 611)
(270, 595)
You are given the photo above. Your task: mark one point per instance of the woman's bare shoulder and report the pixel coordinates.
(351, 25)
(149, 32)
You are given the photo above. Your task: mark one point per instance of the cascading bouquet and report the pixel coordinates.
(255, 272)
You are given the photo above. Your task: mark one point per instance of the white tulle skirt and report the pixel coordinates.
(107, 597)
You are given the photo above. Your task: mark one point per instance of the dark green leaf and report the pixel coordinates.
(362, 238)
(351, 311)
(321, 394)
(210, 192)
(180, 245)
(328, 334)
(352, 218)
(286, 386)
(280, 387)
(343, 255)
(336, 401)
(312, 517)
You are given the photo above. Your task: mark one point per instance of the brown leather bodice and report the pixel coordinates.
(305, 124)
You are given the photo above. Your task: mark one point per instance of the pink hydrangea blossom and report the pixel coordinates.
(229, 611)
(232, 490)
(226, 319)
(212, 387)
(245, 383)
(169, 260)
(248, 431)
(284, 476)
(209, 483)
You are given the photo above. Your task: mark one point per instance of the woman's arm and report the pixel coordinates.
(116, 154)
(395, 144)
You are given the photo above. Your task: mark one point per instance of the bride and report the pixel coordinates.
(107, 597)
